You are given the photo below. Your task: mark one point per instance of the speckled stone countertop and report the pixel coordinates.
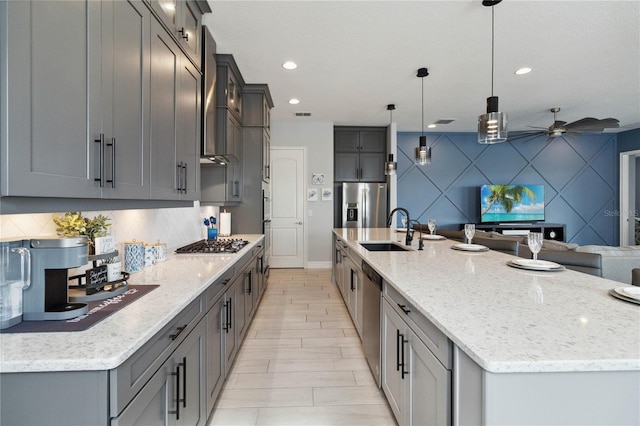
(507, 319)
(106, 345)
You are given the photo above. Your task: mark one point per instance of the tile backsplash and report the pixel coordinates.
(173, 226)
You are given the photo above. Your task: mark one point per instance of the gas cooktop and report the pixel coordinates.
(221, 245)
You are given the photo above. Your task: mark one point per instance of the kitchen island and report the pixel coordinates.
(528, 347)
(190, 288)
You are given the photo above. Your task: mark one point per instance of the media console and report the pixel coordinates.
(551, 231)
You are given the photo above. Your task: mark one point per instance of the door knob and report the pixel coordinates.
(298, 223)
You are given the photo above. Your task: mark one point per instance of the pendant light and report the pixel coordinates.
(492, 126)
(390, 166)
(423, 152)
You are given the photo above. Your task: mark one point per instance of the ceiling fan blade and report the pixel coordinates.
(591, 125)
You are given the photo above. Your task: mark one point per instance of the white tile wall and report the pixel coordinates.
(173, 226)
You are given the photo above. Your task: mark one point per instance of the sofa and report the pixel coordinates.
(614, 263)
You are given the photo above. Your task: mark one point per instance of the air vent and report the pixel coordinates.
(445, 121)
(302, 114)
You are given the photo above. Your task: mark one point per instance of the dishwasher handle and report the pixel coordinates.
(373, 276)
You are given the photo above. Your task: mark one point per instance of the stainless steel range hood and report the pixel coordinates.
(213, 151)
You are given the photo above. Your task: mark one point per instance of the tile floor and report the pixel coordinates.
(301, 362)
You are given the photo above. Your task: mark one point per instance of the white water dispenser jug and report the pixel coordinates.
(15, 276)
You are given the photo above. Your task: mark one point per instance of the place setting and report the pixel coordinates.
(534, 241)
(469, 232)
(628, 294)
(432, 236)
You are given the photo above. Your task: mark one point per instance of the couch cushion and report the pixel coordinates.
(623, 251)
(558, 245)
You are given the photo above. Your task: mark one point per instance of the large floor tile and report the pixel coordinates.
(289, 334)
(269, 397)
(234, 417)
(350, 415)
(348, 396)
(336, 364)
(291, 353)
(296, 379)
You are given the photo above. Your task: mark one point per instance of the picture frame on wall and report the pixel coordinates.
(327, 194)
(312, 194)
(317, 178)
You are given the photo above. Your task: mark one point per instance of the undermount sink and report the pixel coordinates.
(383, 247)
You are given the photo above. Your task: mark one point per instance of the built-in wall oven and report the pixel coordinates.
(266, 226)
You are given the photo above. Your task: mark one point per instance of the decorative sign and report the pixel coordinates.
(96, 278)
(105, 244)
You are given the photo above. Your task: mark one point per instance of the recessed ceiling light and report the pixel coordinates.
(524, 70)
(294, 101)
(290, 65)
(431, 126)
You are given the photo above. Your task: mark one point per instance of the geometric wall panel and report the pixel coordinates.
(579, 175)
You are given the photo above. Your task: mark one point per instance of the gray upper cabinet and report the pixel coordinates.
(175, 120)
(359, 154)
(182, 20)
(104, 104)
(223, 185)
(122, 128)
(48, 91)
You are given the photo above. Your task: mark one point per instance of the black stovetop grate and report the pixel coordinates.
(221, 245)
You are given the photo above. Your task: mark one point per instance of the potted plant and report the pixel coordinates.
(73, 224)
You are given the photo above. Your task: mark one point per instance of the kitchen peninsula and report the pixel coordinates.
(164, 356)
(525, 347)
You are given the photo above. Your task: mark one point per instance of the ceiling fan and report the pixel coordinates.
(559, 128)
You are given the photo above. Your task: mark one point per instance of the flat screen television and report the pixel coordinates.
(511, 203)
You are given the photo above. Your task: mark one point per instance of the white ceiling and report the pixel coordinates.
(355, 57)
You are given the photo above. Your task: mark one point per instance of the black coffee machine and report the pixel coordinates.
(48, 296)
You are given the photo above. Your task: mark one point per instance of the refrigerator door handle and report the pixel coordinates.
(365, 213)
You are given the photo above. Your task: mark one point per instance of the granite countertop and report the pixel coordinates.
(106, 345)
(507, 319)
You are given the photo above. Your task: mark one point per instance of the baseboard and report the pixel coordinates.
(318, 265)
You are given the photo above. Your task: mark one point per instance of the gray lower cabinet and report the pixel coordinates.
(354, 291)
(416, 382)
(175, 393)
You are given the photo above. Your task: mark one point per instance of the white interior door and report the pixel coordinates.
(287, 207)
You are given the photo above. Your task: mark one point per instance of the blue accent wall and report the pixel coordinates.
(580, 176)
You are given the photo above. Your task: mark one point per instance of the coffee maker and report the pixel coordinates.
(48, 296)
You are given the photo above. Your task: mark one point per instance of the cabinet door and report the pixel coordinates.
(346, 167)
(165, 60)
(373, 141)
(230, 316)
(189, 31)
(50, 86)
(234, 170)
(215, 366)
(346, 140)
(188, 130)
(186, 393)
(355, 295)
(149, 407)
(393, 343)
(429, 386)
(266, 156)
(125, 98)
(372, 167)
(249, 289)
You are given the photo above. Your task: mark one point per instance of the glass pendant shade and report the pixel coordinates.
(492, 126)
(423, 153)
(390, 166)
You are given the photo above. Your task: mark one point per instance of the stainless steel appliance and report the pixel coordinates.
(371, 307)
(221, 245)
(213, 150)
(15, 277)
(364, 205)
(48, 296)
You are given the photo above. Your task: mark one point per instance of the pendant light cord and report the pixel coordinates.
(422, 133)
(492, 48)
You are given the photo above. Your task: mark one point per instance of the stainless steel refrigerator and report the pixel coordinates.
(364, 205)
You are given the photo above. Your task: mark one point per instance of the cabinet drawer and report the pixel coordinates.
(218, 287)
(129, 378)
(435, 339)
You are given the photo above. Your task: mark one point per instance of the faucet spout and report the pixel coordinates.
(401, 209)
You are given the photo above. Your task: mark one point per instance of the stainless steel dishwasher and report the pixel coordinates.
(372, 285)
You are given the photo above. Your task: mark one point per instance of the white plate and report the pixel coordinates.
(433, 237)
(630, 292)
(536, 264)
(535, 268)
(469, 247)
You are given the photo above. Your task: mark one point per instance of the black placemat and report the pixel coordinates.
(98, 311)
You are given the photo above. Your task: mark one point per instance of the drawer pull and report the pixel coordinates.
(404, 308)
(177, 333)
